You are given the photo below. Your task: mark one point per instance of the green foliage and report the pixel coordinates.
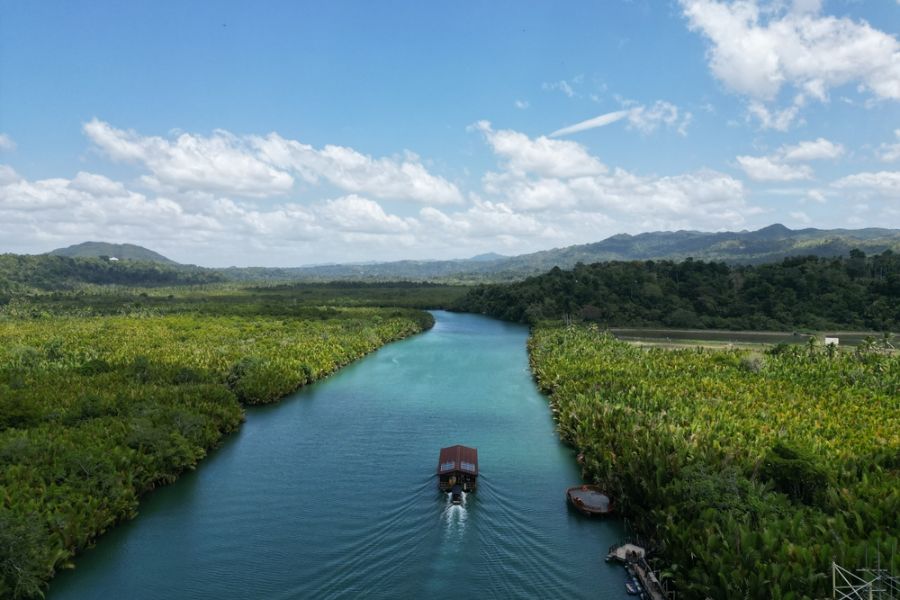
(302, 300)
(105, 251)
(97, 410)
(750, 480)
(804, 292)
(794, 473)
(23, 273)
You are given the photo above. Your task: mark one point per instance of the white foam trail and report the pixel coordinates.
(455, 515)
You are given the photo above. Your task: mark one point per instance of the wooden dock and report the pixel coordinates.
(634, 558)
(648, 580)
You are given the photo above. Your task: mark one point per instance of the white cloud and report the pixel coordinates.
(818, 149)
(564, 86)
(255, 166)
(7, 175)
(530, 194)
(6, 143)
(52, 212)
(541, 155)
(817, 196)
(521, 104)
(399, 178)
(361, 215)
(486, 219)
(765, 168)
(777, 119)
(706, 197)
(756, 50)
(800, 217)
(880, 183)
(890, 152)
(539, 179)
(648, 119)
(221, 162)
(776, 167)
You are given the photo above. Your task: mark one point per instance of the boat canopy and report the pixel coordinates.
(458, 458)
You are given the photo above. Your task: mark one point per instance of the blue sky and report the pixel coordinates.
(292, 133)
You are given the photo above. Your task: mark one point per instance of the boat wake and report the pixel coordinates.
(455, 516)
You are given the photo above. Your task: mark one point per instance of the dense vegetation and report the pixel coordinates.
(751, 472)
(769, 244)
(23, 273)
(102, 400)
(106, 250)
(807, 292)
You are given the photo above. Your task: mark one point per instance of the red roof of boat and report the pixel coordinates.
(458, 458)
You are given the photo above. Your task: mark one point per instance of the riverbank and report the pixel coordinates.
(331, 492)
(750, 472)
(97, 411)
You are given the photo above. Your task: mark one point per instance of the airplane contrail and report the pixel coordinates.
(600, 121)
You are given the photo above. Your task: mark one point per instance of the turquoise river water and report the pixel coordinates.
(331, 494)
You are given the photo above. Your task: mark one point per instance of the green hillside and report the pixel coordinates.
(43, 272)
(770, 244)
(119, 251)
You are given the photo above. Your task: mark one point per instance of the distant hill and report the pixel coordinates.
(488, 257)
(120, 251)
(770, 244)
(31, 272)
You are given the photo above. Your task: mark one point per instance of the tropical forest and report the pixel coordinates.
(408, 300)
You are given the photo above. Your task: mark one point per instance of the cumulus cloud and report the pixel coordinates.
(756, 49)
(6, 142)
(7, 174)
(878, 183)
(539, 178)
(486, 219)
(543, 192)
(541, 155)
(254, 166)
(221, 162)
(779, 166)
(361, 215)
(764, 168)
(759, 48)
(647, 119)
(403, 178)
(818, 149)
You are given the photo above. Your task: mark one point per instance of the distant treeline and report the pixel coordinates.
(858, 291)
(45, 272)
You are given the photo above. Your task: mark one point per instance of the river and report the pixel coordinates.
(330, 493)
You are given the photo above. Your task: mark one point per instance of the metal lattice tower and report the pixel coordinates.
(869, 583)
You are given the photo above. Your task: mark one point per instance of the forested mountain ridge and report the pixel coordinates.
(769, 244)
(106, 250)
(44, 272)
(802, 292)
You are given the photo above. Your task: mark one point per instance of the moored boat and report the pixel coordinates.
(589, 500)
